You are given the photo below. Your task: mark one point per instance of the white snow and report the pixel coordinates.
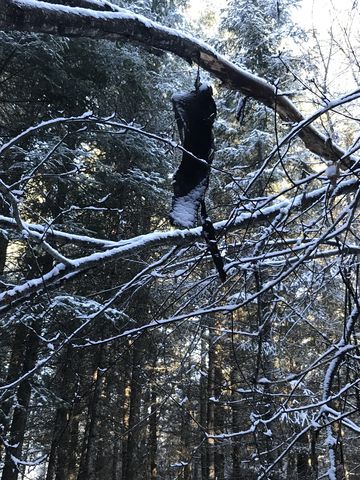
(184, 209)
(332, 171)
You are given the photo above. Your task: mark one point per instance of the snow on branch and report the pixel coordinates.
(124, 248)
(42, 125)
(268, 212)
(122, 25)
(100, 5)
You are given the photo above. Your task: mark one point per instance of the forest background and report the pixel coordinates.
(123, 356)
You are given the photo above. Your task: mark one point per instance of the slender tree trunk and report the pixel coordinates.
(214, 409)
(313, 454)
(3, 248)
(219, 426)
(185, 440)
(264, 366)
(116, 464)
(153, 436)
(236, 426)
(303, 461)
(117, 424)
(17, 351)
(63, 445)
(14, 371)
(51, 466)
(203, 408)
(89, 466)
(211, 415)
(125, 423)
(23, 359)
(131, 462)
(73, 444)
(4, 210)
(20, 414)
(82, 463)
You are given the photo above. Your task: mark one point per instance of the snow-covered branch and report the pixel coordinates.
(124, 248)
(123, 25)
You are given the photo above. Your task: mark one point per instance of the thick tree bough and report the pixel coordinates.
(123, 25)
(123, 249)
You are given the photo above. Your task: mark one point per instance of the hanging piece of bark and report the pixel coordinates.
(195, 114)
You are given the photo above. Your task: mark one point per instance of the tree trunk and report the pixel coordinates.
(14, 371)
(303, 460)
(73, 444)
(235, 427)
(3, 247)
(88, 471)
(153, 436)
(130, 459)
(185, 440)
(62, 458)
(203, 407)
(214, 408)
(116, 463)
(211, 415)
(20, 414)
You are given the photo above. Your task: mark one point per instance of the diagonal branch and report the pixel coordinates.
(64, 272)
(123, 25)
